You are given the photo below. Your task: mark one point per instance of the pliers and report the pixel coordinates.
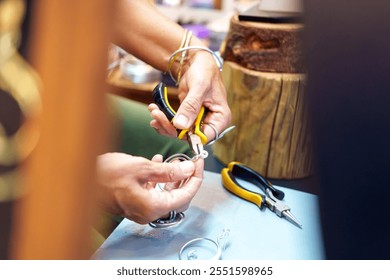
(195, 136)
(272, 198)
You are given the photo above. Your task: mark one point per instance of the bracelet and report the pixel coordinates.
(183, 54)
(184, 49)
(184, 42)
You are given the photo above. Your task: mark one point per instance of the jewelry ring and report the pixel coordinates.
(172, 215)
(215, 131)
(173, 219)
(217, 135)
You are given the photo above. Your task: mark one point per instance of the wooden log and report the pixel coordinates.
(265, 46)
(271, 134)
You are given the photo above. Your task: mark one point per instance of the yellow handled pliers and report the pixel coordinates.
(195, 136)
(271, 198)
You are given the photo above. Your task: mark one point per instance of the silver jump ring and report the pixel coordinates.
(219, 135)
(173, 219)
(215, 131)
(172, 215)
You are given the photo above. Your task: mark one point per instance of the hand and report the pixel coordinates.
(201, 84)
(128, 185)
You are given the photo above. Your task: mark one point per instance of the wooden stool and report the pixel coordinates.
(264, 77)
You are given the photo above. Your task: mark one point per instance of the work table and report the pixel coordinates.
(253, 233)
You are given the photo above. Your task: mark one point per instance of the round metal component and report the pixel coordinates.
(173, 220)
(219, 135)
(200, 249)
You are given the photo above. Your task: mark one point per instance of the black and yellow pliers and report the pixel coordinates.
(271, 198)
(195, 136)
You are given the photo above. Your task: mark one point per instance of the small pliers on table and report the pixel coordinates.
(272, 197)
(195, 136)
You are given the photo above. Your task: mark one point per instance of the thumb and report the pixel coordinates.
(171, 171)
(187, 112)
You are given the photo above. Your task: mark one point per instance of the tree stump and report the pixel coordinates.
(268, 108)
(268, 47)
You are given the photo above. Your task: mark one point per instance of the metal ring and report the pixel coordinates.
(193, 256)
(216, 133)
(173, 219)
(181, 157)
(172, 214)
(216, 56)
(219, 135)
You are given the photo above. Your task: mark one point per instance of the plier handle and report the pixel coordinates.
(195, 136)
(271, 197)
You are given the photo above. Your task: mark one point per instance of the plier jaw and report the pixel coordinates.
(280, 208)
(196, 144)
(272, 197)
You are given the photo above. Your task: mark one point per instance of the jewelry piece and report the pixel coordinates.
(217, 135)
(173, 56)
(215, 131)
(172, 214)
(193, 254)
(201, 247)
(183, 55)
(173, 220)
(184, 43)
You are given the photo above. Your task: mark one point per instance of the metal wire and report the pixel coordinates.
(184, 49)
(174, 217)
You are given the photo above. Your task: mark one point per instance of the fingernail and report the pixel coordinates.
(187, 167)
(181, 121)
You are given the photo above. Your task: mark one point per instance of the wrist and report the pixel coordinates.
(190, 50)
(176, 67)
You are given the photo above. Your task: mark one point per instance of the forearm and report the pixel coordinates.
(149, 35)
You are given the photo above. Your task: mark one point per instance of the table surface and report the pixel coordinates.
(253, 233)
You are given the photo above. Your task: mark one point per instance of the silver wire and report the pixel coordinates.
(214, 54)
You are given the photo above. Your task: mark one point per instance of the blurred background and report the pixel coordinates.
(53, 121)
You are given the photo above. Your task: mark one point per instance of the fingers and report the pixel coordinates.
(210, 132)
(218, 117)
(172, 185)
(160, 122)
(188, 110)
(215, 128)
(127, 185)
(212, 98)
(169, 172)
(157, 158)
(179, 199)
(191, 187)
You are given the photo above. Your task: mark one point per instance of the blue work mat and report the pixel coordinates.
(253, 233)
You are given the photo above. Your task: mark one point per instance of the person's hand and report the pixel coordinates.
(127, 185)
(200, 85)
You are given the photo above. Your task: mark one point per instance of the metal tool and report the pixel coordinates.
(195, 136)
(272, 197)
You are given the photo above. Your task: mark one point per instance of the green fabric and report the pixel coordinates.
(135, 136)
(132, 134)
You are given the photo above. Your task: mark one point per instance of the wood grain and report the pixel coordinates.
(271, 133)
